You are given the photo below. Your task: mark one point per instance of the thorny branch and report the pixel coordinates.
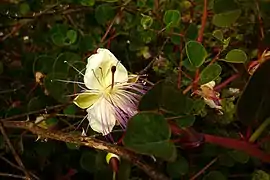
(88, 142)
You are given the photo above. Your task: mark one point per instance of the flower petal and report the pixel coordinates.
(101, 116)
(98, 73)
(211, 103)
(86, 99)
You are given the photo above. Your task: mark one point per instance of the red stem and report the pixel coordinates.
(204, 18)
(240, 145)
(226, 82)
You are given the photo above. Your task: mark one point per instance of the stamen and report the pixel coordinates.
(102, 75)
(96, 77)
(74, 68)
(66, 81)
(113, 69)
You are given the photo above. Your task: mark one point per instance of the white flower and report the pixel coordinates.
(112, 95)
(210, 96)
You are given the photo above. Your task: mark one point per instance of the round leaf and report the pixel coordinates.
(72, 36)
(239, 156)
(64, 60)
(70, 110)
(148, 133)
(210, 73)
(226, 19)
(24, 8)
(178, 168)
(56, 89)
(87, 2)
(192, 32)
(260, 175)
(214, 175)
(254, 102)
(218, 35)
(88, 161)
(196, 53)
(104, 13)
(236, 56)
(185, 121)
(226, 160)
(146, 21)
(171, 18)
(43, 64)
(59, 39)
(221, 6)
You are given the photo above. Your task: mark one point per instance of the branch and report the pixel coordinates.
(204, 169)
(203, 23)
(89, 142)
(239, 145)
(16, 156)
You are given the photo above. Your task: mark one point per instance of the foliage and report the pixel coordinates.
(177, 46)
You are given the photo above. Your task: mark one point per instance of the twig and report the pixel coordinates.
(17, 167)
(16, 156)
(12, 175)
(204, 169)
(35, 112)
(260, 19)
(109, 28)
(89, 142)
(203, 23)
(226, 82)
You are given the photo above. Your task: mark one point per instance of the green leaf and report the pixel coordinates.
(177, 103)
(72, 146)
(192, 32)
(210, 73)
(226, 160)
(87, 2)
(35, 103)
(70, 110)
(110, 1)
(124, 170)
(196, 53)
(44, 149)
(56, 89)
(239, 156)
(51, 122)
(254, 103)
(151, 96)
(260, 175)
(187, 64)
(185, 121)
(64, 60)
(148, 133)
(24, 8)
(146, 21)
(218, 35)
(58, 39)
(177, 168)
(43, 64)
(87, 43)
(72, 36)
(214, 175)
(88, 161)
(104, 13)
(236, 56)
(226, 19)
(221, 6)
(172, 18)
(157, 98)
